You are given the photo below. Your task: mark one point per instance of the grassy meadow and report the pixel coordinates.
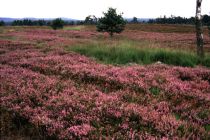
(127, 52)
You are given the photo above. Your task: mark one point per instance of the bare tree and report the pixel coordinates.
(199, 32)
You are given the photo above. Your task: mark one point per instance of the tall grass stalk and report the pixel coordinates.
(124, 52)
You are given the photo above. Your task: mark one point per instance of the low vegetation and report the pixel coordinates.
(50, 91)
(74, 28)
(126, 52)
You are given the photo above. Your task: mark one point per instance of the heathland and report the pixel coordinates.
(76, 83)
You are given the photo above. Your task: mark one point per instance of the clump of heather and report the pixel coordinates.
(74, 97)
(70, 96)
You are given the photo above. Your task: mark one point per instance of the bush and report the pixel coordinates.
(90, 20)
(111, 22)
(134, 20)
(58, 23)
(2, 23)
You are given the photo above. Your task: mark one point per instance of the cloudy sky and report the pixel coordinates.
(79, 9)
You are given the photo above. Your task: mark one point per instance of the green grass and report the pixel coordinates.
(207, 127)
(125, 52)
(154, 90)
(74, 28)
(7, 37)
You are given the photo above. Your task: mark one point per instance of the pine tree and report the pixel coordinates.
(58, 23)
(111, 22)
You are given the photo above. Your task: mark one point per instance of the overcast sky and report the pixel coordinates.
(79, 9)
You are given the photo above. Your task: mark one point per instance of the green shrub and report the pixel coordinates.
(111, 22)
(154, 90)
(57, 23)
(206, 61)
(2, 23)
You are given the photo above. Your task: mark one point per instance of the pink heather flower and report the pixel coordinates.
(125, 126)
(62, 90)
(162, 107)
(114, 112)
(80, 130)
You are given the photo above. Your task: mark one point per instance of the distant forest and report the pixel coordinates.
(93, 20)
(179, 20)
(28, 22)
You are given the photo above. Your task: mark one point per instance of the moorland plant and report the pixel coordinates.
(54, 85)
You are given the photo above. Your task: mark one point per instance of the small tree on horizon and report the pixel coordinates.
(134, 20)
(90, 20)
(2, 23)
(57, 23)
(111, 22)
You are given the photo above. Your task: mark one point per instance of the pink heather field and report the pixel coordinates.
(50, 92)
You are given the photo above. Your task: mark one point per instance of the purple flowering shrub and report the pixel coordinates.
(71, 96)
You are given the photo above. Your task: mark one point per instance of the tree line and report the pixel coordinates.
(40, 22)
(92, 20)
(28, 22)
(180, 20)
